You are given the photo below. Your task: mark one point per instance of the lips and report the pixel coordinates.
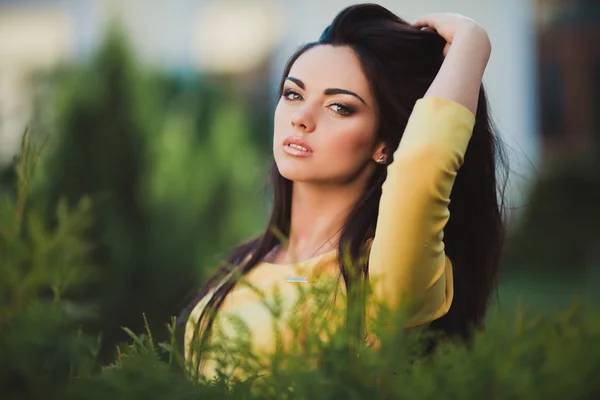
(296, 147)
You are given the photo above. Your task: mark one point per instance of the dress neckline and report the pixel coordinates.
(307, 261)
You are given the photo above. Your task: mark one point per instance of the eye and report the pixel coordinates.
(290, 95)
(341, 109)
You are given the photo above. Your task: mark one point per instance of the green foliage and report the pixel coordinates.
(559, 229)
(41, 344)
(172, 173)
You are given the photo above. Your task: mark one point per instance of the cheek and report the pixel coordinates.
(277, 124)
(281, 129)
(280, 117)
(353, 145)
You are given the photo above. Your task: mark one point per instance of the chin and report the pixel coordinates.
(293, 171)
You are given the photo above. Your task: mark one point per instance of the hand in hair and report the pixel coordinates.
(466, 56)
(449, 25)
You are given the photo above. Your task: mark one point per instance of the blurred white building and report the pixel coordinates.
(237, 35)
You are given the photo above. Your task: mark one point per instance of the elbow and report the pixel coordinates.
(436, 303)
(429, 312)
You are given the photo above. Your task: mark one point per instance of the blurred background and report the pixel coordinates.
(161, 112)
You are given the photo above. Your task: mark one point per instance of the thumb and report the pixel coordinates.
(422, 22)
(425, 21)
(446, 49)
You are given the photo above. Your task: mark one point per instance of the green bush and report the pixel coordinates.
(558, 232)
(172, 172)
(45, 354)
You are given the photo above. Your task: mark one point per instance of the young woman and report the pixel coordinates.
(374, 122)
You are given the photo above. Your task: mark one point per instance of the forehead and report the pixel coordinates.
(327, 66)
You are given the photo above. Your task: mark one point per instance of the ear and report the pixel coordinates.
(380, 155)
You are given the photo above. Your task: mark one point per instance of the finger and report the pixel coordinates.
(426, 20)
(426, 28)
(423, 22)
(446, 49)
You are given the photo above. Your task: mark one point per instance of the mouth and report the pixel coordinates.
(296, 147)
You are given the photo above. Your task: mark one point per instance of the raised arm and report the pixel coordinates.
(407, 259)
(466, 54)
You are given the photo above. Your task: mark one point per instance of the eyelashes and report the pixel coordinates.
(288, 92)
(338, 108)
(342, 109)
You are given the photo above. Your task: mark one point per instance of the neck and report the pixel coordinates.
(318, 214)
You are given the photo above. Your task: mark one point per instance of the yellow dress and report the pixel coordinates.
(407, 258)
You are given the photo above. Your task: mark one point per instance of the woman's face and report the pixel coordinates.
(326, 120)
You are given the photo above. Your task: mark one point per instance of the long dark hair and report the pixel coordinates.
(400, 63)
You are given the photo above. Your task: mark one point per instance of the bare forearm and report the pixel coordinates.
(459, 78)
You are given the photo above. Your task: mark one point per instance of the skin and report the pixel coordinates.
(328, 183)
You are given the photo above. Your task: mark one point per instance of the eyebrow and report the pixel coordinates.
(329, 91)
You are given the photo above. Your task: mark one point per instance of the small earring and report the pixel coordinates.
(380, 159)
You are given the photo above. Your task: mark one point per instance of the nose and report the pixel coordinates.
(301, 119)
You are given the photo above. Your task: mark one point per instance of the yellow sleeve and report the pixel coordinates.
(407, 260)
